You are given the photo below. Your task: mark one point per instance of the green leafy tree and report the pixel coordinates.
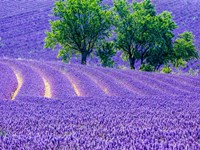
(144, 16)
(184, 49)
(143, 35)
(160, 47)
(105, 52)
(125, 31)
(78, 26)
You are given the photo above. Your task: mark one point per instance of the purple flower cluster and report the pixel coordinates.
(8, 82)
(101, 123)
(23, 25)
(63, 81)
(115, 109)
(32, 84)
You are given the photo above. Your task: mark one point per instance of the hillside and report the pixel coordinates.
(48, 105)
(60, 81)
(24, 38)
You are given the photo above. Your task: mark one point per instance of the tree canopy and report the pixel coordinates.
(78, 26)
(184, 49)
(141, 34)
(105, 52)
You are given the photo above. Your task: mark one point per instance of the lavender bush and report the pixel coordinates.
(101, 123)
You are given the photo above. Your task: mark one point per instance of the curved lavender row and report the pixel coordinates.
(8, 82)
(192, 81)
(23, 7)
(85, 85)
(59, 84)
(185, 13)
(101, 123)
(155, 83)
(24, 19)
(144, 86)
(13, 32)
(188, 79)
(32, 83)
(169, 82)
(106, 83)
(181, 82)
(26, 47)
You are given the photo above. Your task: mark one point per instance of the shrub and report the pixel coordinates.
(147, 67)
(166, 69)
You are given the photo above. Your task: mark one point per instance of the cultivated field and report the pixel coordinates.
(23, 23)
(47, 104)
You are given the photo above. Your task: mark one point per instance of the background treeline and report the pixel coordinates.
(88, 27)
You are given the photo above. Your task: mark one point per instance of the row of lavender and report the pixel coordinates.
(22, 29)
(16, 7)
(101, 123)
(59, 81)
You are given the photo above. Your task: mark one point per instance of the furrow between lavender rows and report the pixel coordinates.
(189, 80)
(57, 84)
(169, 82)
(107, 83)
(23, 31)
(84, 85)
(8, 81)
(23, 19)
(162, 87)
(178, 83)
(135, 83)
(30, 82)
(32, 7)
(13, 26)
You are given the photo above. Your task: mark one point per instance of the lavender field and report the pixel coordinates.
(47, 104)
(23, 25)
(51, 105)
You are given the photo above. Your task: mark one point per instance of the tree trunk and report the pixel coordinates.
(84, 58)
(142, 59)
(132, 62)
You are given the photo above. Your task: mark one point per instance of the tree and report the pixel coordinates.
(78, 26)
(144, 15)
(125, 29)
(105, 52)
(143, 35)
(184, 49)
(160, 43)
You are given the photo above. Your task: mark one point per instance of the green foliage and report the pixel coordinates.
(125, 29)
(184, 49)
(105, 53)
(79, 26)
(147, 67)
(143, 35)
(166, 69)
(162, 46)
